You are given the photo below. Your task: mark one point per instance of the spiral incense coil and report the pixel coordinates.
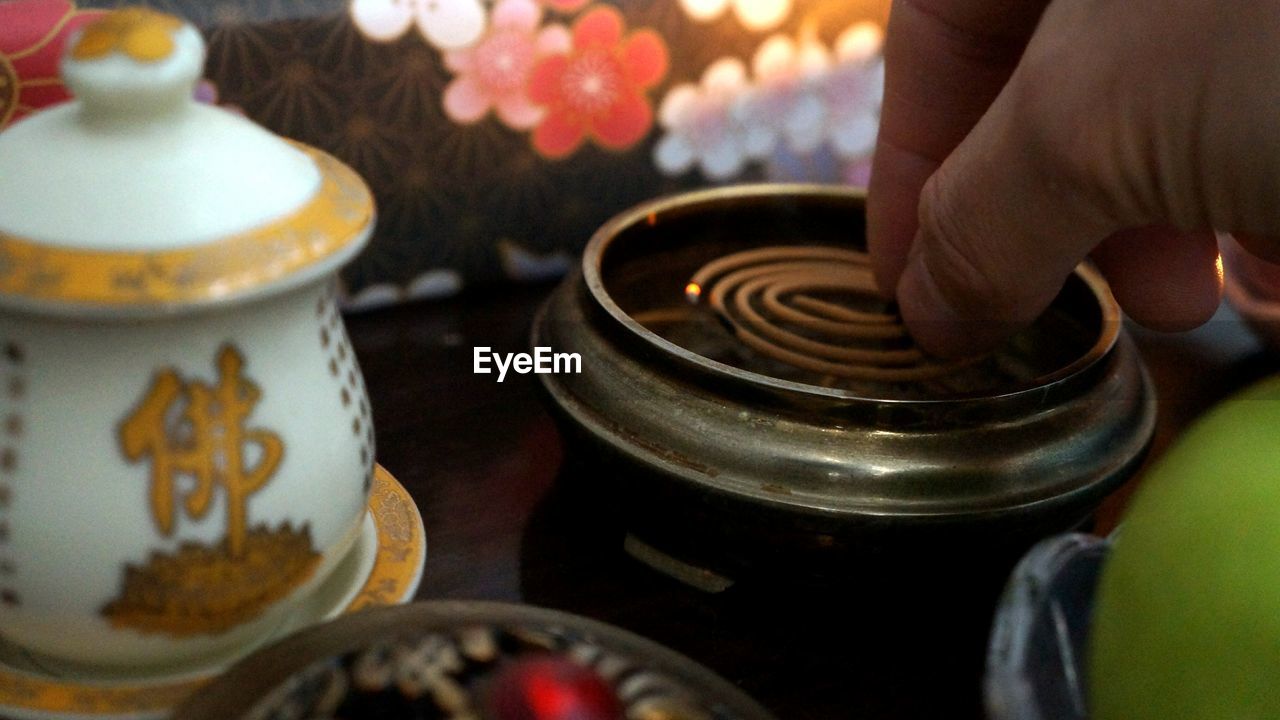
(767, 298)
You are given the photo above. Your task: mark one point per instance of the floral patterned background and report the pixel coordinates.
(498, 134)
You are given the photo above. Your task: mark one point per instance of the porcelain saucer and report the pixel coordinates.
(384, 567)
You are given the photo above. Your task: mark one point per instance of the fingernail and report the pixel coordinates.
(935, 326)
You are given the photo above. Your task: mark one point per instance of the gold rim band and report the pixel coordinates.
(340, 211)
(401, 551)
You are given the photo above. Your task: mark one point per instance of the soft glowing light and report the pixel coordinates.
(381, 20)
(1217, 264)
(704, 9)
(762, 14)
(447, 24)
(692, 292)
(754, 14)
(859, 42)
(813, 60)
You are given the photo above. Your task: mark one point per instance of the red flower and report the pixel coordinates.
(597, 90)
(33, 34)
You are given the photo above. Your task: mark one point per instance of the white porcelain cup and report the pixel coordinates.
(186, 445)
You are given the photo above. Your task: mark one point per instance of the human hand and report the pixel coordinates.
(1128, 131)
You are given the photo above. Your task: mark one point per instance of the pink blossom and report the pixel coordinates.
(598, 89)
(493, 73)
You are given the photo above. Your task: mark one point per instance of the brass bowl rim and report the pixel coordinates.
(598, 245)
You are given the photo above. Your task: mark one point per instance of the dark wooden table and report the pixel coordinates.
(486, 464)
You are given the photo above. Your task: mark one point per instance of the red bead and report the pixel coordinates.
(550, 688)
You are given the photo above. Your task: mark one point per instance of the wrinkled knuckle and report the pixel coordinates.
(960, 269)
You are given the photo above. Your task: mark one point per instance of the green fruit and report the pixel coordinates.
(1187, 621)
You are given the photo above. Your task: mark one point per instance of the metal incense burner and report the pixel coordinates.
(783, 420)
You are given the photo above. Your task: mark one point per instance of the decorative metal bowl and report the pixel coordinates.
(721, 459)
(468, 660)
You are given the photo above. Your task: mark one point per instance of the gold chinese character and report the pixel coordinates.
(199, 431)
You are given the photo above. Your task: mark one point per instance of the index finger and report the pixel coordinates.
(945, 62)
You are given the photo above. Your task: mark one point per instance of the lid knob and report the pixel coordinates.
(134, 62)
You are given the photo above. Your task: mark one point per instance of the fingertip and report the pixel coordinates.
(1187, 308)
(1263, 247)
(1164, 279)
(893, 201)
(887, 257)
(1176, 324)
(1259, 275)
(935, 325)
(886, 272)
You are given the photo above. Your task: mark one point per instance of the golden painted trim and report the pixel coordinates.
(402, 545)
(401, 552)
(38, 694)
(330, 222)
(8, 71)
(48, 37)
(143, 34)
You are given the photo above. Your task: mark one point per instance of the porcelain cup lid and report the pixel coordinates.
(135, 197)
